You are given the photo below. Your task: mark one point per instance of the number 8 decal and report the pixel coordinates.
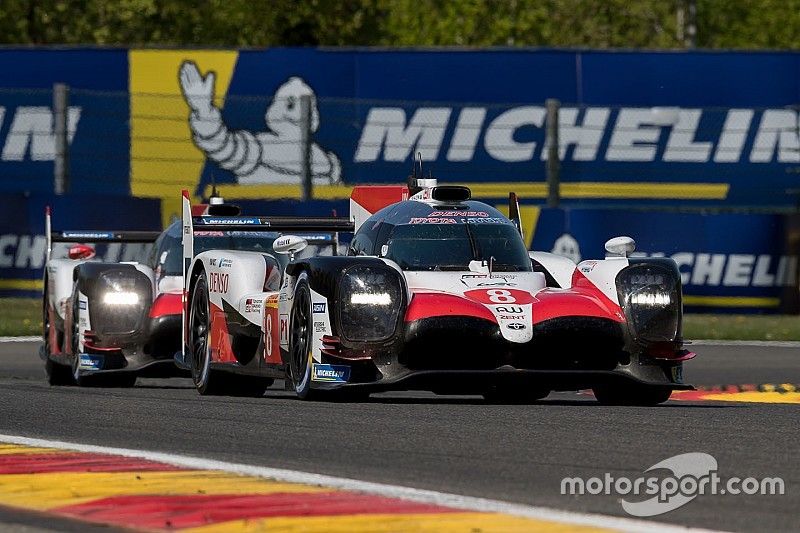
(500, 296)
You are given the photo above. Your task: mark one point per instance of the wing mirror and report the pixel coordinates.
(81, 251)
(620, 247)
(289, 244)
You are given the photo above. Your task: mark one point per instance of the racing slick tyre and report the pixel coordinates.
(300, 357)
(631, 394)
(514, 395)
(207, 382)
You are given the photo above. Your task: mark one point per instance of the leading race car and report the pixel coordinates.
(438, 293)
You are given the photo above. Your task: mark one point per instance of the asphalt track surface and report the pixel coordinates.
(457, 445)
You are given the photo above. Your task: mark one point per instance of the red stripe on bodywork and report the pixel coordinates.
(183, 511)
(582, 299)
(42, 463)
(220, 340)
(427, 305)
(167, 304)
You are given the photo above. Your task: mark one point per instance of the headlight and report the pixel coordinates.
(124, 297)
(650, 294)
(120, 298)
(371, 299)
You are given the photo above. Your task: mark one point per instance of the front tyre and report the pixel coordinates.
(631, 394)
(300, 341)
(206, 381)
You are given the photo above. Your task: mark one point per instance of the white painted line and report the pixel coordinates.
(392, 491)
(755, 344)
(21, 339)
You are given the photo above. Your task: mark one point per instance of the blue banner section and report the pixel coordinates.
(662, 128)
(97, 120)
(22, 241)
(727, 261)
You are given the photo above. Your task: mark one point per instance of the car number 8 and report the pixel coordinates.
(500, 296)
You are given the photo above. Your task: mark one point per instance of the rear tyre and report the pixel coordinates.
(631, 394)
(515, 395)
(57, 375)
(300, 341)
(207, 382)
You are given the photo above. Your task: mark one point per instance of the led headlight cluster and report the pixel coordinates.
(123, 297)
(370, 302)
(650, 296)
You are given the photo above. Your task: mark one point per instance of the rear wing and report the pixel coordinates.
(328, 228)
(92, 236)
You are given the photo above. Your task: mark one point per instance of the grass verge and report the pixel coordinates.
(22, 316)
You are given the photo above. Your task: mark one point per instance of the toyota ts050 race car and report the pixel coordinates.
(439, 293)
(107, 323)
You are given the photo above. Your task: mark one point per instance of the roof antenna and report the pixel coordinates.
(214, 199)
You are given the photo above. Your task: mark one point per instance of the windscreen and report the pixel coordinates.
(454, 246)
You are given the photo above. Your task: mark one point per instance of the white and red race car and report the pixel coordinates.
(437, 292)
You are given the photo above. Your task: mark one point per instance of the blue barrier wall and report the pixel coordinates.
(22, 240)
(674, 128)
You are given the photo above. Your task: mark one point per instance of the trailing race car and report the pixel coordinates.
(439, 293)
(107, 323)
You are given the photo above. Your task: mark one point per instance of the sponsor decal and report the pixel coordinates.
(284, 330)
(225, 263)
(82, 304)
(253, 305)
(232, 221)
(319, 327)
(203, 233)
(734, 270)
(484, 280)
(272, 301)
(87, 234)
(318, 308)
(212, 261)
(330, 373)
(423, 220)
(516, 326)
(89, 362)
(509, 309)
(458, 214)
(511, 317)
(218, 282)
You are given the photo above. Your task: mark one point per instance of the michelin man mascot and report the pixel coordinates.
(273, 156)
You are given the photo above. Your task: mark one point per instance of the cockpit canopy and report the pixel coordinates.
(421, 236)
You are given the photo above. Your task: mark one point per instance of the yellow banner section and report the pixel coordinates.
(164, 159)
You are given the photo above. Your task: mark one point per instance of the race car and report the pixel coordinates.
(437, 292)
(106, 323)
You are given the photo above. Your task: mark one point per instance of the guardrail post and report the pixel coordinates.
(553, 161)
(61, 160)
(305, 147)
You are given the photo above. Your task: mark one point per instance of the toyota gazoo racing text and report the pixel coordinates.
(437, 292)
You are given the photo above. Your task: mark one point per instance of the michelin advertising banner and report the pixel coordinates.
(683, 128)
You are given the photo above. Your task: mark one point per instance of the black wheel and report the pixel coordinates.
(515, 395)
(631, 394)
(206, 381)
(57, 375)
(300, 340)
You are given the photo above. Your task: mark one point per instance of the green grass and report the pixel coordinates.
(742, 327)
(22, 316)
